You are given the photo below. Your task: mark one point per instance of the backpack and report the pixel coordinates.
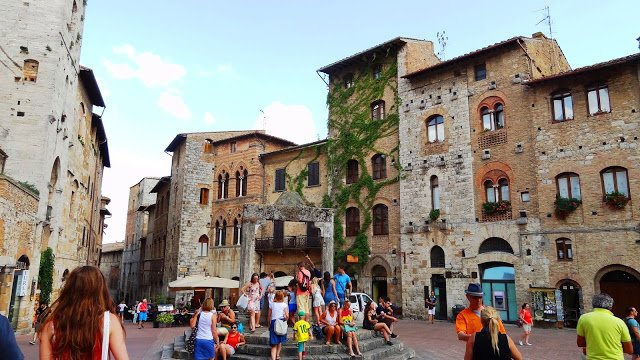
(304, 284)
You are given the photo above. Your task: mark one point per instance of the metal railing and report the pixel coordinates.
(288, 242)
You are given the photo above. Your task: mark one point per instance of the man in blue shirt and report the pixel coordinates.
(343, 281)
(10, 349)
(634, 331)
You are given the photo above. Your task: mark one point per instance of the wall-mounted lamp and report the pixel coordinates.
(394, 281)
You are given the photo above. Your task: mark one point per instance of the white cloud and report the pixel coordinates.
(291, 122)
(174, 105)
(150, 68)
(209, 119)
(225, 69)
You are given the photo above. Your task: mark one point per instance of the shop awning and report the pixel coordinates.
(283, 281)
(202, 282)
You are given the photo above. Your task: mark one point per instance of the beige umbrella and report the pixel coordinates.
(202, 282)
(283, 281)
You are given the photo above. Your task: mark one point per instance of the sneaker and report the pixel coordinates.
(520, 342)
(528, 344)
(32, 342)
(389, 343)
(393, 336)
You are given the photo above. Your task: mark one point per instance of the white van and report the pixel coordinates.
(358, 302)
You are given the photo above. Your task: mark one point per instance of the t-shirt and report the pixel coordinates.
(527, 316)
(299, 279)
(292, 298)
(603, 333)
(277, 310)
(10, 349)
(632, 323)
(143, 307)
(302, 330)
(121, 307)
(468, 322)
(341, 282)
(265, 282)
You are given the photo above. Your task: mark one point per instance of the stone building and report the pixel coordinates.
(53, 139)
(133, 255)
(110, 261)
(363, 154)
(585, 133)
(282, 244)
(213, 175)
(470, 187)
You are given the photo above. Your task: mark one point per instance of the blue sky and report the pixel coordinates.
(167, 67)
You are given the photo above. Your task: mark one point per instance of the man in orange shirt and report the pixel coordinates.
(468, 320)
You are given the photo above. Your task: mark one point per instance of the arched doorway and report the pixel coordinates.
(498, 284)
(279, 274)
(571, 301)
(19, 289)
(378, 282)
(623, 287)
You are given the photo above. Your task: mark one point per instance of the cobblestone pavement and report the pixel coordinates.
(144, 344)
(431, 342)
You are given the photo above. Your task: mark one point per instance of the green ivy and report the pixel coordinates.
(45, 276)
(353, 135)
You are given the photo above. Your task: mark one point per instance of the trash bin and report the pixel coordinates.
(455, 310)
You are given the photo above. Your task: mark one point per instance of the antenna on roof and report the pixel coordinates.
(264, 120)
(442, 40)
(547, 21)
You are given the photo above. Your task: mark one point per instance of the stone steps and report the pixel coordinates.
(257, 347)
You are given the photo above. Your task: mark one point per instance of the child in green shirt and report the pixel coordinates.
(302, 334)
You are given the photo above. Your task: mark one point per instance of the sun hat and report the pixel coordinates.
(474, 289)
(300, 313)
(224, 303)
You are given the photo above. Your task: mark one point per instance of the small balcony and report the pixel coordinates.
(288, 242)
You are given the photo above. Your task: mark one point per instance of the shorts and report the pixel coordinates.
(142, 316)
(303, 303)
(526, 327)
(636, 347)
(37, 325)
(293, 308)
(233, 350)
(301, 346)
(432, 311)
(121, 312)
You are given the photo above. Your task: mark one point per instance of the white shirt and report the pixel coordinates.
(277, 310)
(271, 297)
(121, 307)
(204, 326)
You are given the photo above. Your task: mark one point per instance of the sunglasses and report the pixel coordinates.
(332, 305)
(234, 327)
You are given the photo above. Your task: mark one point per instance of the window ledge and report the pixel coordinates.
(312, 186)
(561, 121)
(565, 260)
(600, 113)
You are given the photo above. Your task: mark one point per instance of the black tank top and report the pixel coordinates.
(482, 349)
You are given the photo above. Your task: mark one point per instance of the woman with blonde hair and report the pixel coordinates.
(489, 343)
(318, 301)
(82, 322)
(278, 310)
(207, 336)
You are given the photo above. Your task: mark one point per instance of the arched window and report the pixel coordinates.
(492, 119)
(568, 186)
(237, 232)
(598, 98)
(435, 128)
(223, 186)
(435, 193)
(380, 220)
(352, 171)
(203, 244)
(379, 165)
(615, 179)
(496, 193)
(353, 221)
(437, 257)
(563, 249)
(222, 233)
(217, 233)
(239, 184)
(495, 245)
(377, 110)
(562, 104)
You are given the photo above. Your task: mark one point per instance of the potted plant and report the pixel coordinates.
(564, 207)
(499, 207)
(165, 320)
(434, 214)
(616, 200)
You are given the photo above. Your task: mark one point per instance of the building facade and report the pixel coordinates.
(110, 262)
(53, 140)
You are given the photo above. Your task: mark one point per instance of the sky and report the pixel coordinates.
(170, 67)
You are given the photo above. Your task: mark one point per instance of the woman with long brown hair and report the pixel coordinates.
(255, 292)
(75, 322)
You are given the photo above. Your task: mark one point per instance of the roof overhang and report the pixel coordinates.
(587, 69)
(179, 139)
(164, 181)
(337, 66)
(91, 86)
(96, 121)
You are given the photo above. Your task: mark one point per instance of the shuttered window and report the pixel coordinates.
(313, 178)
(280, 182)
